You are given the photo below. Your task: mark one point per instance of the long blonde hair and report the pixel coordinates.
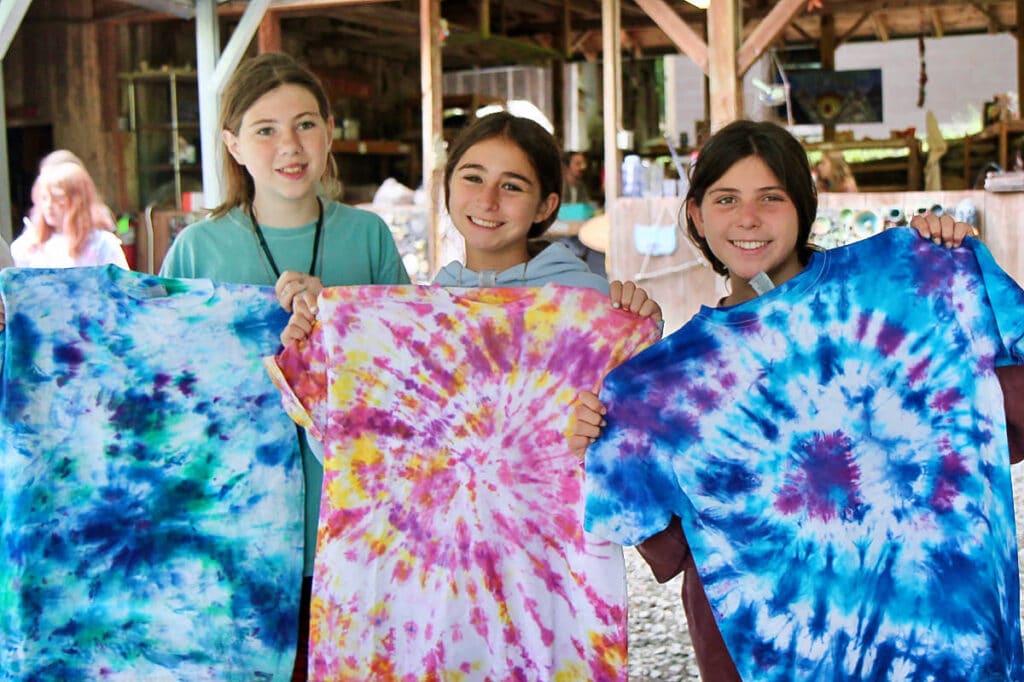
(254, 78)
(73, 182)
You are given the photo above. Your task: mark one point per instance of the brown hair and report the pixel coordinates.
(783, 155)
(254, 78)
(538, 145)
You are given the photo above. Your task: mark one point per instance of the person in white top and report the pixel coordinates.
(63, 231)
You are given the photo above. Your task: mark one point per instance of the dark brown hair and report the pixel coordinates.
(784, 156)
(538, 145)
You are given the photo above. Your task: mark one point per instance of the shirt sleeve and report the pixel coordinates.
(1006, 300)
(299, 372)
(631, 493)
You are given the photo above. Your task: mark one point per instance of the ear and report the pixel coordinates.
(547, 207)
(231, 143)
(330, 133)
(693, 210)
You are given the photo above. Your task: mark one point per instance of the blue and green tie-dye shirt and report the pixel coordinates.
(150, 486)
(836, 449)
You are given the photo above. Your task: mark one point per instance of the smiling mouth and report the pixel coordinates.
(486, 224)
(292, 171)
(747, 245)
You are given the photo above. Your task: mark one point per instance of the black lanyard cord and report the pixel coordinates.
(266, 249)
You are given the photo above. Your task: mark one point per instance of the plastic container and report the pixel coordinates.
(632, 176)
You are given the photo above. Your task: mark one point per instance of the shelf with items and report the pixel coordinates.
(370, 162)
(991, 145)
(163, 116)
(902, 171)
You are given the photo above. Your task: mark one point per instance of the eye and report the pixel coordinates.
(725, 200)
(307, 124)
(264, 131)
(471, 177)
(511, 187)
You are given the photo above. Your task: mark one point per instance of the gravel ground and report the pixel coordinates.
(659, 645)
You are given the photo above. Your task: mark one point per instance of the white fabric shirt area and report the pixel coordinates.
(101, 248)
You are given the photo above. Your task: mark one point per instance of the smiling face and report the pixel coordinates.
(283, 143)
(494, 198)
(751, 225)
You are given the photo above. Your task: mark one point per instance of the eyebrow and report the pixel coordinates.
(766, 188)
(481, 167)
(264, 121)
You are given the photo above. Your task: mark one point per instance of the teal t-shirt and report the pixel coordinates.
(356, 248)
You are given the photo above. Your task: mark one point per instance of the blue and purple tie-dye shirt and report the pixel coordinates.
(150, 486)
(836, 450)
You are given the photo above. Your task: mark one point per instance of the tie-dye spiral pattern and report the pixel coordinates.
(150, 487)
(451, 543)
(836, 449)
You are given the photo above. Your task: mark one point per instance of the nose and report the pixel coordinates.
(489, 194)
(291, 141)
(749, 214)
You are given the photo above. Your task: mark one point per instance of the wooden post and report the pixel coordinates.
(268, 37)
(1020, 51)
(827, 47)
(611, 19)
(430, 105)
(723, 43)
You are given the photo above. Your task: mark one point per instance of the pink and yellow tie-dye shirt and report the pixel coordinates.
(450, 543)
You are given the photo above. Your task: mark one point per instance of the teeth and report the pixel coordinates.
(484, 223)
(749, 245)
(292, 169)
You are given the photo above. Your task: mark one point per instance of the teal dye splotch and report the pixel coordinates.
(136, 544)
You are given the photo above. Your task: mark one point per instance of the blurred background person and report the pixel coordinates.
(833, 174)
(63, 229)
(102, 214)
(574, 185)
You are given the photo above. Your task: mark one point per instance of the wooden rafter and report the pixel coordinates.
(853, 29)
(881, 30)
(994, 26)
(677, 30)
(938, 29)
(767, 31)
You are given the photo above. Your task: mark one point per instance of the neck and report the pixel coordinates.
(480, 261)
(286, 214)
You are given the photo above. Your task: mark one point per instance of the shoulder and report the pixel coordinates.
(339, 214)
(557, 264)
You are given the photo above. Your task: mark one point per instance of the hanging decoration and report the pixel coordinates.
(924, 74)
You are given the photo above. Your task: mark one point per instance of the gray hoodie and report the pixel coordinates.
(555, 264)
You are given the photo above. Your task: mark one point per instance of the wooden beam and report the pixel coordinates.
(430, 106)
(611, 17)
(881, 30)
(827, 48)
(723, 76)
(485, 18)
(768, 29)
(853, 29)
(937, 27)
(983, 10)
(678, 31)
(1020, 47)
(268, 36)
